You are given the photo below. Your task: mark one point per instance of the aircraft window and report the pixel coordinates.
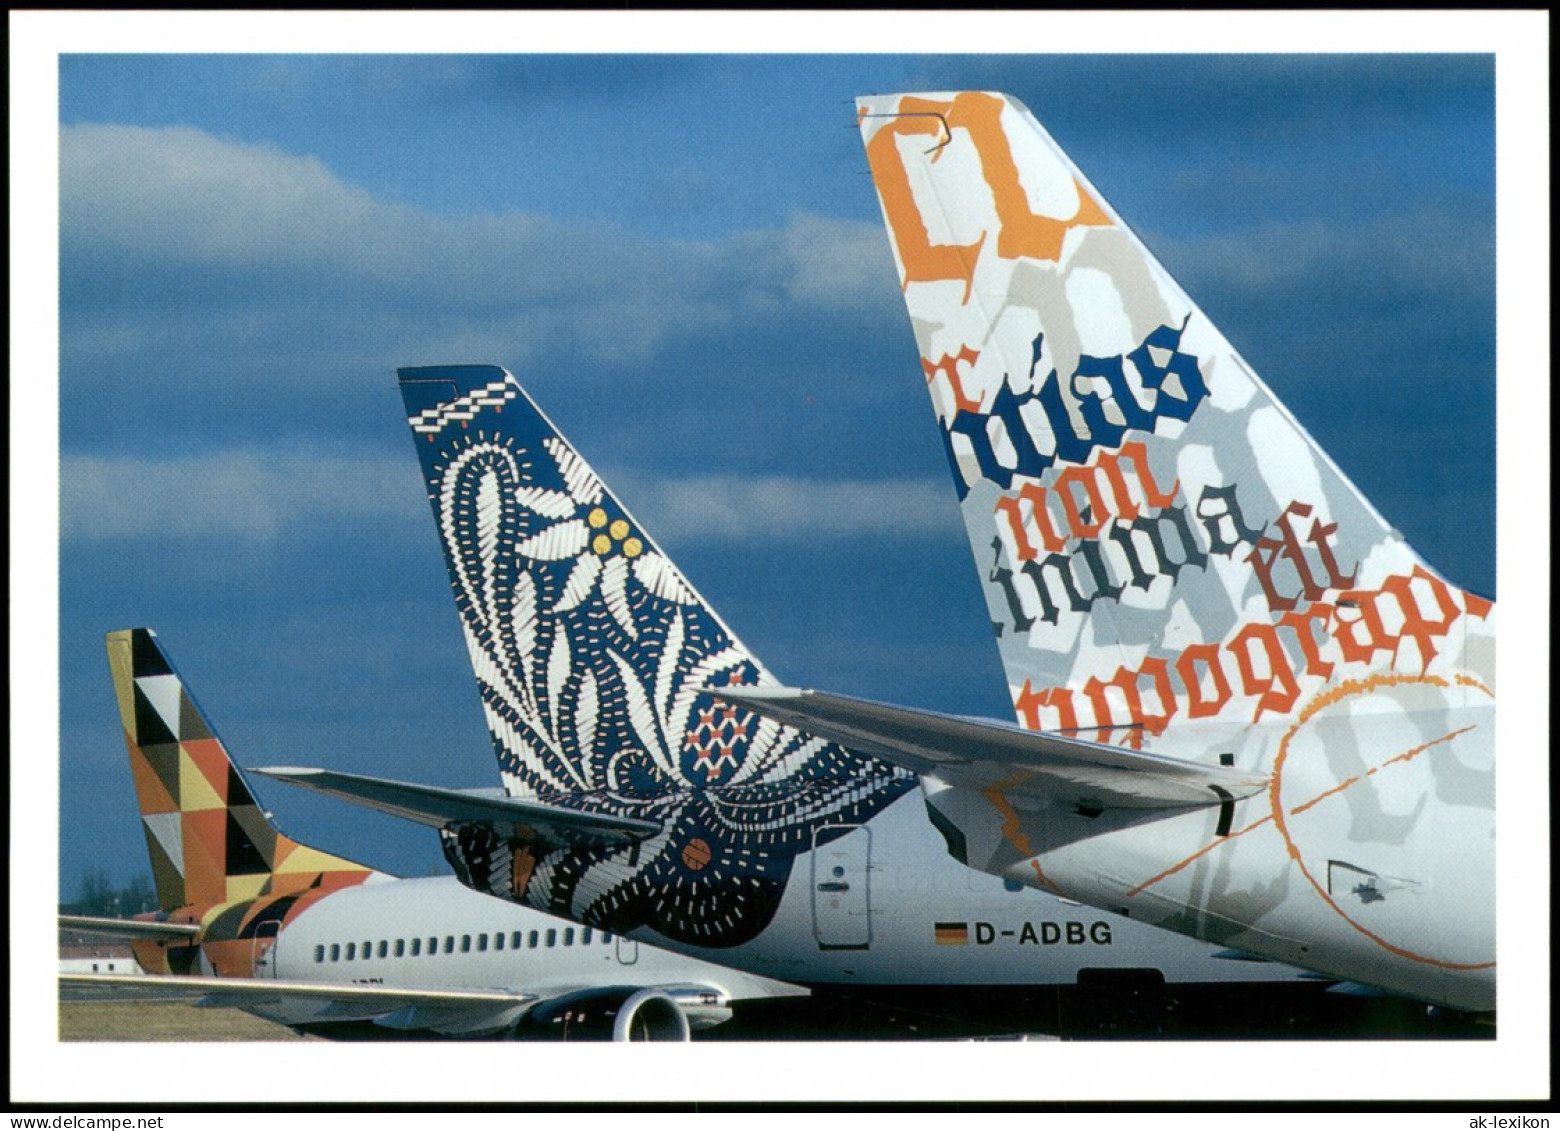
(585, 937)
(568, 936)
(465, 944)
(335, 952)
(368, 950)
(531, 941)
(552, 936)
(400, 947)
(449, 944)
(416, 947)
(498, 940)
(606, 938)
(482, 941)
(384, 948)
(319, 953)
(351, 951)
(433, 945)
(514, 941)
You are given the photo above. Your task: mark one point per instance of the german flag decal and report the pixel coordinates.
(951, 934)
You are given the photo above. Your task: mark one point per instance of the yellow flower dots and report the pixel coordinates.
(611, 535)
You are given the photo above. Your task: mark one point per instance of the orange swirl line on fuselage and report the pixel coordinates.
(1209, 847)
(1294, 850)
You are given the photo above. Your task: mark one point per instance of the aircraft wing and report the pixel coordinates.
(622, 1012)
(129, 928)
(447, 1011)
(543, 825)
(979, 752)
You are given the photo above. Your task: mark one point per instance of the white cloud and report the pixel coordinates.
(734, 509)
(221, 239)
(249, 494)
(1426, 254)
(178, 192)
(259, 495)
(837, 262)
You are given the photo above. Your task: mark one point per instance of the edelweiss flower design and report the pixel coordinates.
(600, 540)
(594, 658)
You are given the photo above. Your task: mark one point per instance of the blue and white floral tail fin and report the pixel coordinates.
(592, 651)
(578, 626)
(594, 658)
(1159, 541)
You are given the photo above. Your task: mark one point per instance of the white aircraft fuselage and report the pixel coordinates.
(433, 933)
(1296, 877)
(885, 905)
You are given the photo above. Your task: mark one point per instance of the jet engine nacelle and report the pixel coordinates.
(612, 1013)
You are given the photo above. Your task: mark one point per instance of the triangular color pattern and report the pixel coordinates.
(247, 887)
(205, 873)
(148, 658)
(211, 761)
(163, 692)
(150, 791)
(243, 856)
(196, 794)
(192, 725)
(163, 760)
(260, 832)
(165, 848)
(121, 667)
(305, 859)
(150, 729)
(167, 830)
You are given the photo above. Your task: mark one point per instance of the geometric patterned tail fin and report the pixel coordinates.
(208, 840)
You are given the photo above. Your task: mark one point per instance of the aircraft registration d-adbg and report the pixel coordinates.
(1249, 719)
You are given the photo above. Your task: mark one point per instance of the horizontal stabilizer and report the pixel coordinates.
(129, 928)
(1058, 767)
(530, 821)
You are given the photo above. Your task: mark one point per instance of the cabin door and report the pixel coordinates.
(263, 954)
(842, 905)
(627, 950)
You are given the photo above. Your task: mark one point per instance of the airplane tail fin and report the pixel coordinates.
(208, 840)
(1158, 539)
(594, 657)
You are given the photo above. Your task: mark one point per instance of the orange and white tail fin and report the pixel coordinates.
(208, 841)
(1158, 539)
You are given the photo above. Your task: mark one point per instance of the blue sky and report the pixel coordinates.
(682, 259)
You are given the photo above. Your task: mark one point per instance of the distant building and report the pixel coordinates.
(103, 957)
